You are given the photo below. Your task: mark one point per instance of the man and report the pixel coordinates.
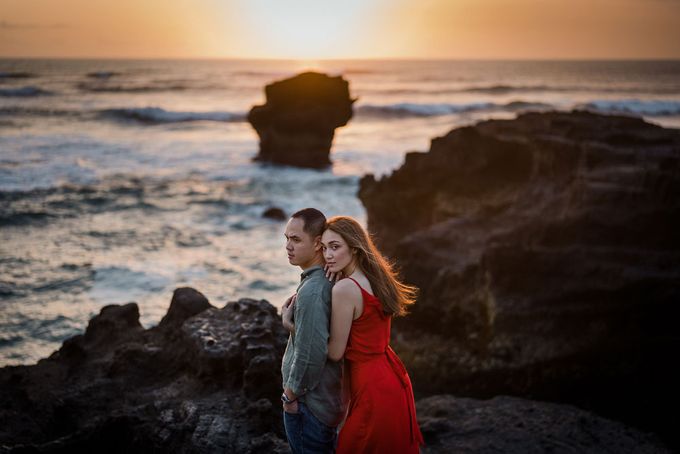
(313, 403)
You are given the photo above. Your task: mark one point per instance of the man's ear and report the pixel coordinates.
(317, 243)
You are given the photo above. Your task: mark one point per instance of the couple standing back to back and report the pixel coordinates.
(338, 368)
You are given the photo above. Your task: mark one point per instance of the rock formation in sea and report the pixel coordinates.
(207, 380)
(275, 213)
(297, 123)
(547, 252)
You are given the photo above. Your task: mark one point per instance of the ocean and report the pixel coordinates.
(121, 180)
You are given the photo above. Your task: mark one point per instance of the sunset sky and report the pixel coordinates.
(469, 29)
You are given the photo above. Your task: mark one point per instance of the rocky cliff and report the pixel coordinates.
(547, 253)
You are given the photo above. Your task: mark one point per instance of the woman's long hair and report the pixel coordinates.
(394, 295)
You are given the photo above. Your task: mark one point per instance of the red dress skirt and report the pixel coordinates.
(382, 413)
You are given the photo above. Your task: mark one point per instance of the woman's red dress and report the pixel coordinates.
(382, 413)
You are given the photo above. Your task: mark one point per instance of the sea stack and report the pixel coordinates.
(297, 123)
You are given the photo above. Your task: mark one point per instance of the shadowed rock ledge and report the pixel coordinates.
(546, 249)
(513, 425)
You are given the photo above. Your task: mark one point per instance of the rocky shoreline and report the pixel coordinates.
(546, 254)
(203, 380)
(207, 380)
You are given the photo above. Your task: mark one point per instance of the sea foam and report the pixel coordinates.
(157, 115)
(654, 108)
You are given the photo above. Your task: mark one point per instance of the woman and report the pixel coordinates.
(381, 417)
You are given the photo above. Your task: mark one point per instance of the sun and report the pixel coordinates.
(305, 29)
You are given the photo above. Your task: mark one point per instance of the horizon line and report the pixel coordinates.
(298, 59)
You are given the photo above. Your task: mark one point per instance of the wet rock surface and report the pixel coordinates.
(546, 251)
(297, 123)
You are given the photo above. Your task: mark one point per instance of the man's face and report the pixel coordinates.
(301, 247)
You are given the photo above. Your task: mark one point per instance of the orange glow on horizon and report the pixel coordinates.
(307, 29)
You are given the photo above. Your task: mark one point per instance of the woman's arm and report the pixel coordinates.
(345, 298)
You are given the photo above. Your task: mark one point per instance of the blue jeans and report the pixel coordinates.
(306, 434)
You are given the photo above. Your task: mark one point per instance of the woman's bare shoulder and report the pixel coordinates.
(346, 289)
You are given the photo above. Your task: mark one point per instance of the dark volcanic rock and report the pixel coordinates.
(209, 384)
(113, 325)
(298, 121)
(212, 384)
(547, 254)
(236, 345)
(508, 424)
(186, 302)
(275, 213)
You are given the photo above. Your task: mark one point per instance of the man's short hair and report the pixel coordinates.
(314, 221)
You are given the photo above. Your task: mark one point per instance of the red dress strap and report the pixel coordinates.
(358, 285)
(368, 298)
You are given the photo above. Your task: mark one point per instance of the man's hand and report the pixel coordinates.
(287, 311)
(291, 408)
